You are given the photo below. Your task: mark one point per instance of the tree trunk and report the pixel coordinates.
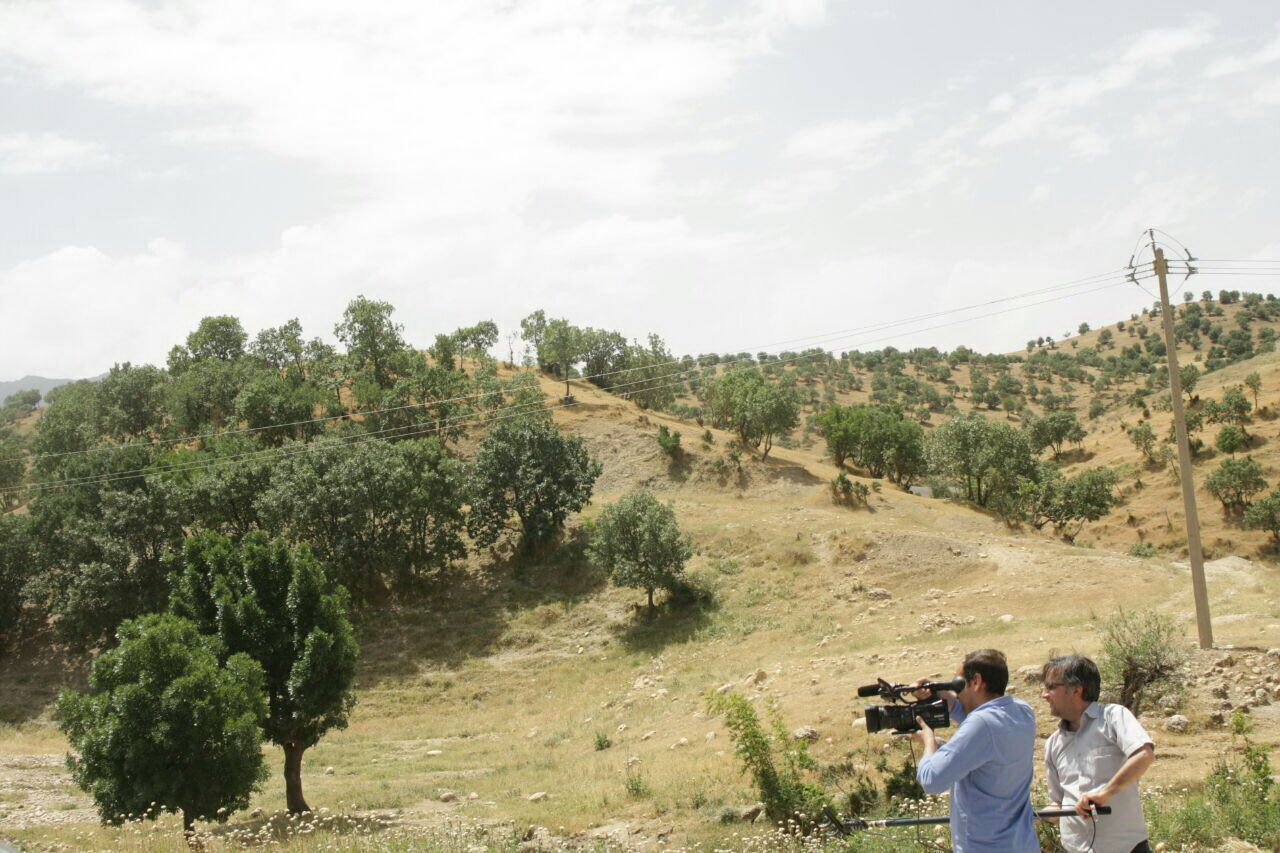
(650, 599)
(293, 777)
(188, 825)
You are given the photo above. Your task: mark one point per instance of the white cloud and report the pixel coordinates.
(856, 143)
(1228, 65)
(1046, 102)
(46, 154)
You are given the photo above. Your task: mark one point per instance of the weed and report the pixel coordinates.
(602, 741)
(635, 784)
(1141, 654)
(1144, 549)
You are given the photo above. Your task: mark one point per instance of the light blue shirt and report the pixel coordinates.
(988, 765)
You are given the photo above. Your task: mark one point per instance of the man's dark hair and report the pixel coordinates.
(1075, 671)
(991, 665)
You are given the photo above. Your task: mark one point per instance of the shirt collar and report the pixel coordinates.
(1092, 710)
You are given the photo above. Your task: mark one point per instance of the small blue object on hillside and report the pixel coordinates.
(988, 766)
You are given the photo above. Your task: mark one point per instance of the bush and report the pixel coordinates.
(668, 441)
(1143, 549)
(1142, 657)
(777, 762)
(602, 742)
(841, 488)
(1235, 482)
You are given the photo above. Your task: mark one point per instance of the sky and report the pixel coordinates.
(734, 176)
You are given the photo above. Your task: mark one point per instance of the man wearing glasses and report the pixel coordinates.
(1094, 758)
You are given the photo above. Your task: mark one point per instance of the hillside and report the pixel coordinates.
(501, 688)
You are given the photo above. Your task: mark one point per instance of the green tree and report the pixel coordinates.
(1235, 482)
(1053, 430)
(984, 459)
(18, 405)
(1230, 439)
(1264, 514)
(281, 348)
(166, 726)
(532, 330)
(528, 468)
(1143, 438)
(374, 513)
(277, 407)
(638, 543)
(220, 338)
(1234, 408)
(1084, 328)
(17, 560)
(562, 348)
(754, 408)
(373, 340)
(839, 426)
(276, 605)
(13, 468)
(1254, 383)
(1188, 376)
(476, 341)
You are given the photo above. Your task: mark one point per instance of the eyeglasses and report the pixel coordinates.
(1051, 686)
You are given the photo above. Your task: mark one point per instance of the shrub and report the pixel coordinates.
(1141, 655)
(668, 441)
(602, 742)
(1235, 482)
(841, 488)
(1143, 549)
(776, 762)
(638, 543)
(707, 438)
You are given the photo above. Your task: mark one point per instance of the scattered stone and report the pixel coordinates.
(431, 753)
(328, 771)
(647, 735)
(473, 796)
(684, 741)
(1273, 653)
(537, 796)
(879, 592)
(1006, 618)
(1030, 673)
(633, 760)
(808, 733)
(1220, 690)
(1225, 661)
(750, 813)
(1217, 718)
(1177, 723)
(724, 688)
(711, 735)
(622, 727)
(448, 797)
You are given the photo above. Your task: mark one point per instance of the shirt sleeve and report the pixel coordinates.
(969, 749)
(1124, 727)
(1051, 774)
(957, 712)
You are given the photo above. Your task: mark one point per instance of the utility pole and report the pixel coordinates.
(1194, 552)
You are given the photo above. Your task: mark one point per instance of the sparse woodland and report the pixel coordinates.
(236, 523)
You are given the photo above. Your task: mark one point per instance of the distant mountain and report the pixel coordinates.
(41, 383)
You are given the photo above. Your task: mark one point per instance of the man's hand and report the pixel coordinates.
(1099, 797)
(924, 695)
(924, 738)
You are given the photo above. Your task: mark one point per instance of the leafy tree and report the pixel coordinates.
(1097, 408)
(276, 605)
(277, 408)
(1188, 375)
(532, 330)
(1053, 430)
(753, 407)
(1083, 329)
(1087, 496)
(18, 405)
(1230, 439)
(373, 340)
(166, 726)
(204, 395)
(1264, 514)
(107, 559)
(646, 374)
(71, 423)
(1254, 383)
(223, 489)
(1234, 408)
(984, 459)
(529, 469)
(562, 348)
(668, 441)
(12, 468)
(840, 427)
(1235, 482)
(445, 352)
(281, 348)
(638, 543)
(476, 341)
(1143, 438)
(374, 513)
(16, 563)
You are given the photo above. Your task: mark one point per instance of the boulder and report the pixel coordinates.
(448, 797)
(879, 592)
(1006, 618)
(1177, 723)
(537, 796)
(1030, 673)
(808, 733)
(750, 813)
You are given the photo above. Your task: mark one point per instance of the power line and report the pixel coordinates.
(523, 409)
(813, 339)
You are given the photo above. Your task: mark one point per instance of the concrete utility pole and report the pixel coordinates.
(1194, 552)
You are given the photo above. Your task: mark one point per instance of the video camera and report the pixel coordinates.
(902, 718)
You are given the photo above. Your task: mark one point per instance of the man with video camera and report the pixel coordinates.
(989, 762)
(1094, 757)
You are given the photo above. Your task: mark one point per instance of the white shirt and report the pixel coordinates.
(1085, 760)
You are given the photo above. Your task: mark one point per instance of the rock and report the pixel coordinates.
(473, 796)
(622, 727)
(448, 797)
(860, 723)
(1225, 661)
(647, 735)
(934, 592)
(431, 753)
(750, 813)
(711, 735)
(879, 592)
(328, 771)
(1236, 845)
(1219, 690)
(537, 796)
(684, 741)
(808, 733)
(1006, 618)
(1261, 697)
(724, 688)
(1030, 673)
(1177, 723)
(1273, 653)
(756, 677)
(633, 760)
(1217, 718)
